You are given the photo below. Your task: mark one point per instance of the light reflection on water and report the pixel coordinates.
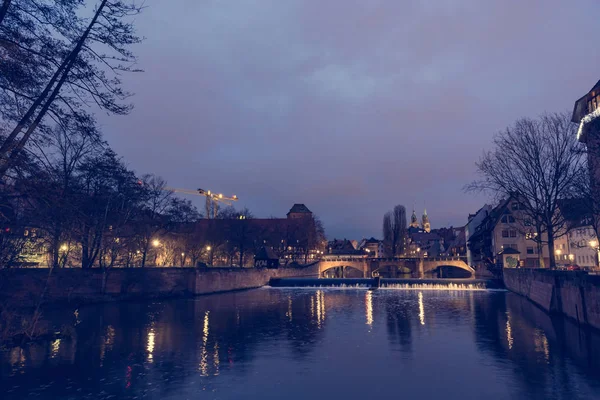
(298, 344)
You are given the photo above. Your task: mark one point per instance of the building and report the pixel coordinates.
(415, 226)
(341, 246)
(299, 211)
(457, 247)
(473, 223)
(505, 226)
(373, 247)
(581, 243)
(586, 113)
(424, 244)
(425, 222)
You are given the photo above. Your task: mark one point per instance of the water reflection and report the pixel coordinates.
(246, 344)
(421, 309)
(369, 307)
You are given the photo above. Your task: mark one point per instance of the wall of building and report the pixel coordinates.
(471, 227)
(25, 287)
(574, 294)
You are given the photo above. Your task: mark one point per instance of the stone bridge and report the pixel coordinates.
(357, 266)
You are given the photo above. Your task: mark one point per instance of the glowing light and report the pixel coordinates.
(320, 307)
(64, 247)
(509, 336)
(421, 309)
(594, 243)
(182, 254)
(571, 257)
(150, 344)
(204, 351)
(220, 195)
(156, 243)
(369, 307)
(586, 120)
(558, 252)
(55, 348)
(208, 248)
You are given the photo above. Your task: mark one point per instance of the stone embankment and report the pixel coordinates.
(573, 294)
(25, 287)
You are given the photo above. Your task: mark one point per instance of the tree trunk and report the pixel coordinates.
(540, 250)
(4, 9)
(551, 247)
(8, 147)
(144, 255)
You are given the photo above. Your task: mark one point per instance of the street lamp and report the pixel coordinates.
(156, 243)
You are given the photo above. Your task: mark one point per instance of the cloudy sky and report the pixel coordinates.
(348, 106)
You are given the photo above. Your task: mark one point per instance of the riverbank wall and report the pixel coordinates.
(573, 294)
(25, 287)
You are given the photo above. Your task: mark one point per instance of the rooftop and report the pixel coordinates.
(299, 208)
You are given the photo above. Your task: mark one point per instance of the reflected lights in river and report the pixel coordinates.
(369, 307)
(17, 360)
(107, 342)
(204, 350)
(541, 344)
(320, 303)
(421, 309)
(55, 347)
(150, 344)
(289, 310)
(216, 359)
(509, 336)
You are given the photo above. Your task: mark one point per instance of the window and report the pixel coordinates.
(515, 206)
(511, 219)
(513, 234)
(530, 250)
(512, 246)
(504, 219)
(505, 234)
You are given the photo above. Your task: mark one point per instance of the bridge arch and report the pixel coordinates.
(448, 268)
(342, 271)
(391, 271)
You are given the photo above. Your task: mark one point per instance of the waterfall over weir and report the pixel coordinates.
(388, 284)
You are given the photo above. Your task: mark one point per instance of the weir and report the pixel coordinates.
(383, 283)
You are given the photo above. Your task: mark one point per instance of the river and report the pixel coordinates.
(310, 344)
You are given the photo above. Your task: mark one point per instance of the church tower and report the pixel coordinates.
(425, 223)
(414, 222)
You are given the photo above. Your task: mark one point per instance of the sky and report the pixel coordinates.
(347, 106)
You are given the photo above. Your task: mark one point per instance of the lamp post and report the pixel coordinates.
(210, 254)
(156, 245)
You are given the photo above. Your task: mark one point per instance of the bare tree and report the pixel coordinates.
(394, 230)
(72, 64)
(535, 161)
(152, 217)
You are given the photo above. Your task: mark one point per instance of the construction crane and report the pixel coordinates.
(212, 199)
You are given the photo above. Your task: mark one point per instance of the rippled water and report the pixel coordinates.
(311, 344)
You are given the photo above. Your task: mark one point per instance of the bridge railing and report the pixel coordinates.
(444, 258)
(350, 259)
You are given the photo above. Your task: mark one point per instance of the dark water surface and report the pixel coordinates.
(311, 344)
